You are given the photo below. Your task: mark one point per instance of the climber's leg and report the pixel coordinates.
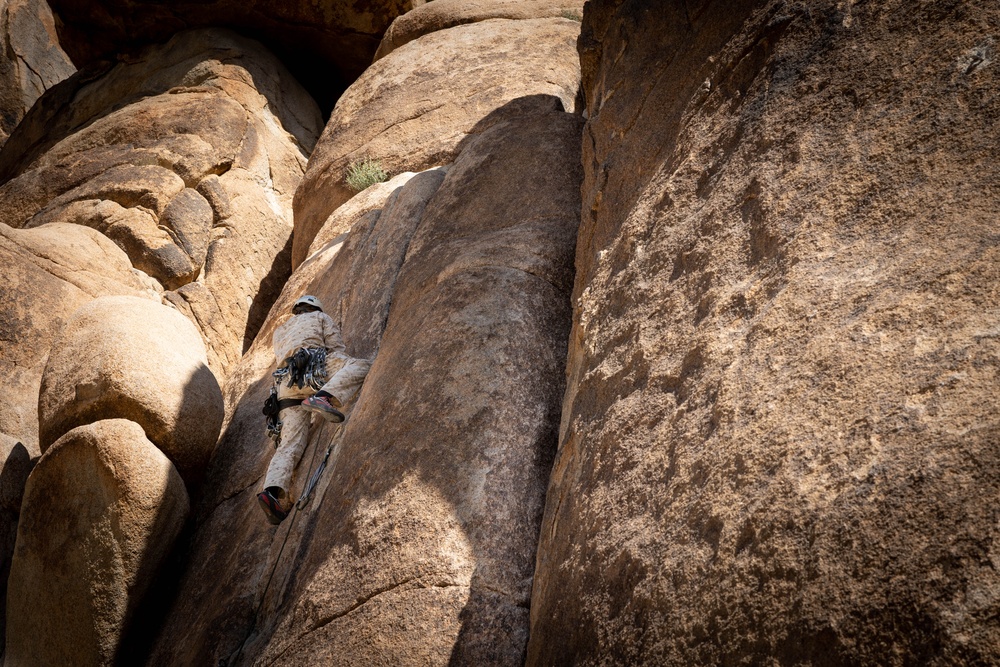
(294, 438)
(347, 376)
(342, 386)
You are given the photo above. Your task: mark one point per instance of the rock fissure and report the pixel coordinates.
(326, 620)
(402, 121)
(402, 585)
(38, 75)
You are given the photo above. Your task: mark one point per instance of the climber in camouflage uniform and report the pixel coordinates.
(309, 348)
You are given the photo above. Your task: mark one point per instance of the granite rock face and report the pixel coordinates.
(187, 158)
(101, 511)
(31, 59)
(420, 539)
(130, 358)
(778, 443)
(774, 439)
(395, 113)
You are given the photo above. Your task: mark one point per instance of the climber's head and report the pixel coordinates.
(306, 304)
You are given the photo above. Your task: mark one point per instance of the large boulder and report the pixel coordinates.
(444, 468)
(31, 60)
(399, 114)
(328, 42)
(443, 14)
(779, 439)
(47, 273)
(101, 511)
(131, 358)
(419, 543)
(187, 158)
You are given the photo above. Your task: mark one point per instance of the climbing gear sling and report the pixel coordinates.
(306, 367)
(314, 480)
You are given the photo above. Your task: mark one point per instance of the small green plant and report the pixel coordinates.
(366, 172)
(571, 15)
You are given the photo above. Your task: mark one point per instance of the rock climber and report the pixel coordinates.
(309, 348)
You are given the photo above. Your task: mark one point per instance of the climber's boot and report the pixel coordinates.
(322, 405)
(268, 499)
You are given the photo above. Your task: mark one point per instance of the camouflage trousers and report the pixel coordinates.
(346, 376)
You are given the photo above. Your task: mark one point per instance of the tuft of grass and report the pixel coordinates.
(571, 15)
(364, 173)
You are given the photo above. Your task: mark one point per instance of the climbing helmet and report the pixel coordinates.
(308, 300)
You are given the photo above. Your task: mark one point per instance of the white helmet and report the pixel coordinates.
(308, 300)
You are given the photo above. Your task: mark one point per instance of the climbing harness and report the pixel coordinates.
(272, 408)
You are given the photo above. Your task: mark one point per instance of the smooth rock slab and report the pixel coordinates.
(101, 511)
(130, 358)
(444, 14)
(438, 483)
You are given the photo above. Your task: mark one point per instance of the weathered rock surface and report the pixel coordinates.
(101, 510)
(16, 462)
(396, 112)
(187, 158)
(779, 440)
(131, 358)
(330, 42)
(443, 14)
(420, 540)
(45, 274)
(31, 60)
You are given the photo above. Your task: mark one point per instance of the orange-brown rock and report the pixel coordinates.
(101, 511)
(122, 357)
(47, 273)
(397, 114)
(443, 14)
(418, 545)
(779, 439)
(31, 60)
(187, 157)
